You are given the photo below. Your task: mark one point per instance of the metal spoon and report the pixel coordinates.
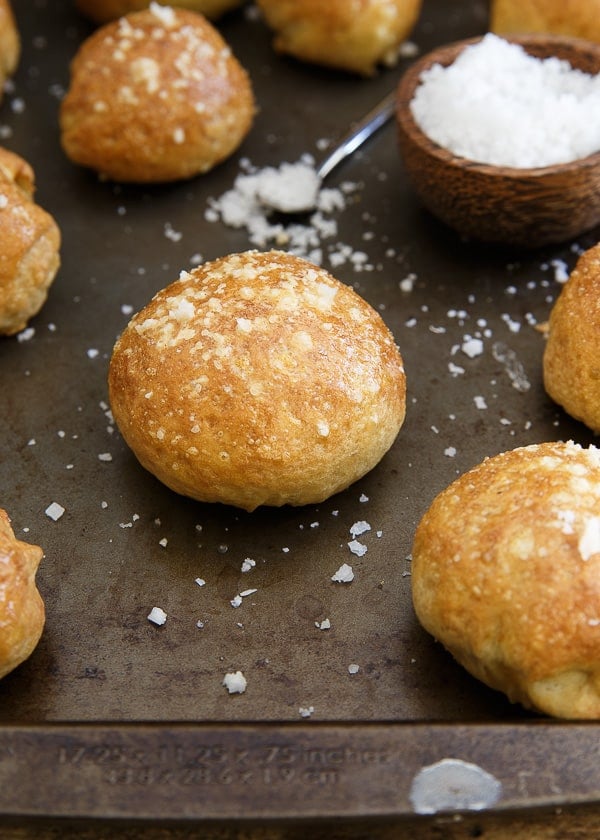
(294, 188)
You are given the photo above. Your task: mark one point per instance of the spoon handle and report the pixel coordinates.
(360, 132)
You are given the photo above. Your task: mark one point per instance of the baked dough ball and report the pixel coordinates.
(29, 246)
(257, 379)
(580, 18)
(22, 612)
(572, 354)
(155, 96)
(10, 45)
(353, 35)
(102, 11)
(506, 574)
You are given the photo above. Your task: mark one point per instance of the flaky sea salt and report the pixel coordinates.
(496, 104)
(589, 542)
(157, 616)
(249, 203)
(54, 511)
(26, 335)
(357, 548)
(472, 347)
(306, 711)
(235, 683)
(344, 574)
(358, 528)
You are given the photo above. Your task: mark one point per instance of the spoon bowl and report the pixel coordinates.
(525, 208)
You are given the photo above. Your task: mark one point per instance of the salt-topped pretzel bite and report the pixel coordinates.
(22, 613)
(571, 363)
(29, 245)
(10, 44)
(506, 575)
(353, 35)
(258, 379)
(580, 18)
(155, 96)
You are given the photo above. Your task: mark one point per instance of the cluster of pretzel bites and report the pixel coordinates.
(350, 35)
(156, 95)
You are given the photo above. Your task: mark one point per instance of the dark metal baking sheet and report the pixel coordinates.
(124, 708)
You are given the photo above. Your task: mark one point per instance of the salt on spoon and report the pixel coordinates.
(294, 187)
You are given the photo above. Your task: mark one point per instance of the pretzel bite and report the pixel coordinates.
(103, 11)
(10, 44)
(506, 575)
(22, 613)
(579, 18)
(155, 96)
(257, 379)
(29, 246)
(571, 363)
(352, 35)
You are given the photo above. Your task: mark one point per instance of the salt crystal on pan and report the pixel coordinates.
(344, 574)
(358, 548)
(455, 370)
(353, 669)
(26, 335)
(235, 683)
(157, 616)
(248, 564)
(54, 511)
(472, 347)
(359, 528)
(306, 711)
(200, 581)
(561, 270)
(323, 625)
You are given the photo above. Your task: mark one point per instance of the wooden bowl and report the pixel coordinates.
(526, 208)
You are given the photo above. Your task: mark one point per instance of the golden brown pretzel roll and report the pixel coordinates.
(506, 574)
(353, 35)
(257, 379)
(10, 45)
(22, 612)
(580, 18)
(155, 96)
(102, 11)
(572, 354)
(29, 246)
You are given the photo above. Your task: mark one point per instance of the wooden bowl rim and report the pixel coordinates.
(445, 54)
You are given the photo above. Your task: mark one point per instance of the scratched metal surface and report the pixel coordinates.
(105, 567)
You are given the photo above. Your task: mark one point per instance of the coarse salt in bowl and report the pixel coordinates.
(501, 137)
